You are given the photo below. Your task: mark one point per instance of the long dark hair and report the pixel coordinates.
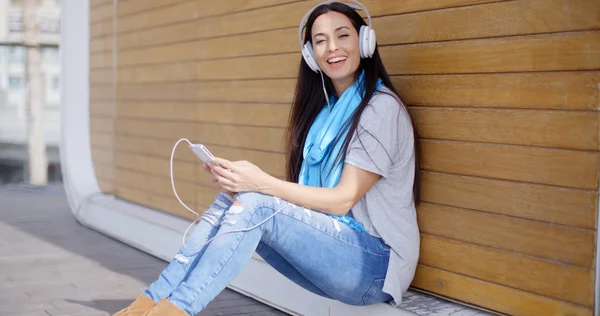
(309, 98)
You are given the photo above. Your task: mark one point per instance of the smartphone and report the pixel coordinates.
(202, 153)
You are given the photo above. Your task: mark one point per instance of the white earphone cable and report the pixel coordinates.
(197, 215)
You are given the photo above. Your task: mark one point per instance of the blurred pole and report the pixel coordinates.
(38, 162)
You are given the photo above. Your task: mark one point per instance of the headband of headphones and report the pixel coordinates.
(305, 18)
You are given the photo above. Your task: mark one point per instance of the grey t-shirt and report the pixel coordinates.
(383, 144)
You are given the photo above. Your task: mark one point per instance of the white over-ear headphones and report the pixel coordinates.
(366, 36)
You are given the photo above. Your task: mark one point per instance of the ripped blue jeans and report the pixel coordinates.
(310, 248)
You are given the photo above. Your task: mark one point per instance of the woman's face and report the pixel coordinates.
(335, 45)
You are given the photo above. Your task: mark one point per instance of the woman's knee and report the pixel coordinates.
(245, 207)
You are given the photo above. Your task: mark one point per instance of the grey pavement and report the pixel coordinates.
(50, 265)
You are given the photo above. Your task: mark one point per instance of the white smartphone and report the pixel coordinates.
(202, 153)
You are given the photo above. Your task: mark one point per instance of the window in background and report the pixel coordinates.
(15, 83)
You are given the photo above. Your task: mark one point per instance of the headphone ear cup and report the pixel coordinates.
(372, 43)
(361, 41)
(309, 58)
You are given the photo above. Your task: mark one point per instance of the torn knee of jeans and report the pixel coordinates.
(212, 217)
(181, 258)
(235, 209)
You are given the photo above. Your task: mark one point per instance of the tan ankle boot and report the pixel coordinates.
(165, 308)
(141, 305)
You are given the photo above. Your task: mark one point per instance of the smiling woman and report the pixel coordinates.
(503, 94)
(351, 168)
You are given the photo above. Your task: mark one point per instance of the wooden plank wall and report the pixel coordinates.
(504, 95)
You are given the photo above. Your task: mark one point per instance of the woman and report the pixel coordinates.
(343, 225)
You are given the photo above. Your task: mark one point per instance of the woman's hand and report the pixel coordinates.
(238, 176)
(213, 178)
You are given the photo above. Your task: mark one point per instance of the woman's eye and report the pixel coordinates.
(343, 35)
(320, 41)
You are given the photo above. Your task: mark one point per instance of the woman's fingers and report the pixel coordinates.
(206, 167)
(225, 183)
(223, 163)
(223, 172)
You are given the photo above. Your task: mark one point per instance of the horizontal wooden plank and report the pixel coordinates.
(102, 13)
(97, 3)
(188, 10)
(542, 240)
(205, 196)
(562, 129)
(378, 7)
(525, 17)
(103, 156)
(184, 91)
(490, 20)
(102, 125)
(102, 140)
(272, 163)
(102, 75)
(101, 44)
(268, 91)
(102, 28)
(261, 19)
(542, 90)
(263, 138)
(102, 93)
(154, 147)
(492, 296)
(134, 6)
(102, 60)
(222, 47)
(154, 201)
(104, 172)
(106, 186)
(182, 171)
(102, 108)
(159, 73)
(568, 283)
(554, 90)
(156, 185)
(272, 66)
(167, 130)
(538, 202)
(172, 33)
(546, 52)
(257, 114)
(567, 168)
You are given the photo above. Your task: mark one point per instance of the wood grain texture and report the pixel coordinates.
(566, 168)
(179, 11)
(255, 114)
(525, 273)
(561, 129)
(493, 296)
(536, 90)
(542, 240)
(268, 91)
(551, 204)
(102, 12)
(489, 20)
(546, 52)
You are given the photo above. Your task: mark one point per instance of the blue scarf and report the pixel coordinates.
(319, 167)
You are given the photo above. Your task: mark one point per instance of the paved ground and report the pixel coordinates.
(52, 266)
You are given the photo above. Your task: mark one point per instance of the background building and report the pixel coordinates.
(13, 87)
